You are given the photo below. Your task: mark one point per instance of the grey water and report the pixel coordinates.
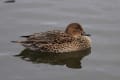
(100, 18)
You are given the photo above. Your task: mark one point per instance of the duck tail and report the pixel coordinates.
(17, 41)
(25, 36)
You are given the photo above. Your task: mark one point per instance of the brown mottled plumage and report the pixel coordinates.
(72, 39)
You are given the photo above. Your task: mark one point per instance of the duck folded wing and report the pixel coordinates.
(44, 39)
(52, 37)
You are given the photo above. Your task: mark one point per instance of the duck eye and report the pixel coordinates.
(74, 30)
(78, 30)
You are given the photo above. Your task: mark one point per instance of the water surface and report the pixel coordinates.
(99, 18)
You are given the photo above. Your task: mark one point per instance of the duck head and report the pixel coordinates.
(75, 30)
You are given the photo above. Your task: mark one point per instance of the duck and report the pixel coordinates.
(73, 38)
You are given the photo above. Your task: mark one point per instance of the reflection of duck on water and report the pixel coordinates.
(71, 59)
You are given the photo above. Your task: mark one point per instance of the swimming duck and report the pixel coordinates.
(72, 39)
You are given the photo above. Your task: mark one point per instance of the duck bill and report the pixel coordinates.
(86, 34)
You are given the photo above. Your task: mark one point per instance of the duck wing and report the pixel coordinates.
(41, 41)
(53, 37)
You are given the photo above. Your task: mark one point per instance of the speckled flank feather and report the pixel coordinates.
(56, 41)
(74, 45)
